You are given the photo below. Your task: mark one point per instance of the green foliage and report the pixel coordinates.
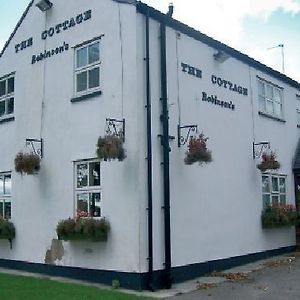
(28, 163)
(83, 229)
(279, 216)
(115, 284)
(110, 147)
(7, 230)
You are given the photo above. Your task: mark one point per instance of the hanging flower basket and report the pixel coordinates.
(7, 230)
(268, 162)
(28, 163)
(279, 216)
(197, 151)
(110, 147)
(94, 230)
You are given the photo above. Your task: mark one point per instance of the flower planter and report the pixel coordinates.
(280, 216)
(83, 229)
(28, 163)
(268, 162)
(197, 151)
(110, 147)
(7, 230)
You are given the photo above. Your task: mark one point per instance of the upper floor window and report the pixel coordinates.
(87, 68)
(7, 90)
(270, 99)
(5, 195)
(88, 188)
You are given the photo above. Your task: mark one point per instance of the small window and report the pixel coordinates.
(5, 195)
(273, 189)
(7, 89)
(87, 68)
(270, 99)
(88, 189)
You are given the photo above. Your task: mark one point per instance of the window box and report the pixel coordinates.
(28, 163)
(197, 151)
(83, 229)
(7, 230)
(279, 216)
(110, 147)
(268, 162)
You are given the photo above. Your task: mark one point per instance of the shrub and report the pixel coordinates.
(83, 229)
(197, 150)
(110, 147)
(268, 162)
(7, 229)
(28, 163)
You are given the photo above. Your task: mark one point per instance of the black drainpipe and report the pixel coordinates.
(149, 162)
(166, 155)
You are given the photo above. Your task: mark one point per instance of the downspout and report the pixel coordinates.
(149, 162)
(166, 151)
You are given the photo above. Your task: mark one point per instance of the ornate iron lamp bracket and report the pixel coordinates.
(182, 139)
(258, 149)
(36, 146)
(115, 127)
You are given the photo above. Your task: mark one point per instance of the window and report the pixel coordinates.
(87, 68)
(273, 189)
(88, 188)
(270, 99)
(7, 89)
(5, 195)
(298, 109)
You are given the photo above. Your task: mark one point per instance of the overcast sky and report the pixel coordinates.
(250, 26)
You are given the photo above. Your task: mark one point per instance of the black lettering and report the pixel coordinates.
(33, 61)
(66, 46)
(52, 52)
(79, 19)
(240, 90)
(44, 34)
(23, 45)
(29, 42)
(191, 70)
(184, 67)
(56, 50)
(198, 73)
(219, 81)
(204, 96)
(65, 25)
(233, 107)
(245, 92)
(51, 31)
(225, 82)
(214, 79)
(72, 22)
(17, 48)
(230, 85)
(87, 15)
(61, 49)
(235, 89)
(58, 27)
(48, 54)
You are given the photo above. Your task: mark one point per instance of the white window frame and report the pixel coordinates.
(86, 68)
(272, 99)
(5, 197)
(273, 193)
(7, 96)
(87, 189)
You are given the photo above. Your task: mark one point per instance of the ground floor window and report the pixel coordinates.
(88, 188)
(273, 189)
(5, 195)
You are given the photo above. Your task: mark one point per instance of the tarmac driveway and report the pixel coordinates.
(277, 278)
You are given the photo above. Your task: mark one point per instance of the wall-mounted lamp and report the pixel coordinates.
(221, 56)
(44, 5)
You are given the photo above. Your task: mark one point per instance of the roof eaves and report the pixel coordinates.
(197, 35)
(17, 27)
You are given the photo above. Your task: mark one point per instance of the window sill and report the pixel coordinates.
(7, 119)
(271, 117)
(86, 96)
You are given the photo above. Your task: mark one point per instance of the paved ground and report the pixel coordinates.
(276, 279)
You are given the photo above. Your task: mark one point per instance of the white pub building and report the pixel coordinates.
(73, 71)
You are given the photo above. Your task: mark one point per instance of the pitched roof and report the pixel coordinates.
(17, 27)
(197, 35)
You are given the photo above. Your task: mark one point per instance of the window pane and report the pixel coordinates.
(2, 88)
(10, 85)
(282, 185)
(94, 53)
(2, 108)
(275, 187)
(275, 199)
(1, 185)
(277, 109)
(7, 210)
(261, 88)
(269, 107)
(82, 204)
(94, 78)
(261, 103)
(7, 185)
(10, 106)
(95, 210)
(277, 95)
(282, 199)
(82, 175)
(81, 57)
(94, 174)
(81, 81)
(265, 184)
(269, 91)
(266, 200)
